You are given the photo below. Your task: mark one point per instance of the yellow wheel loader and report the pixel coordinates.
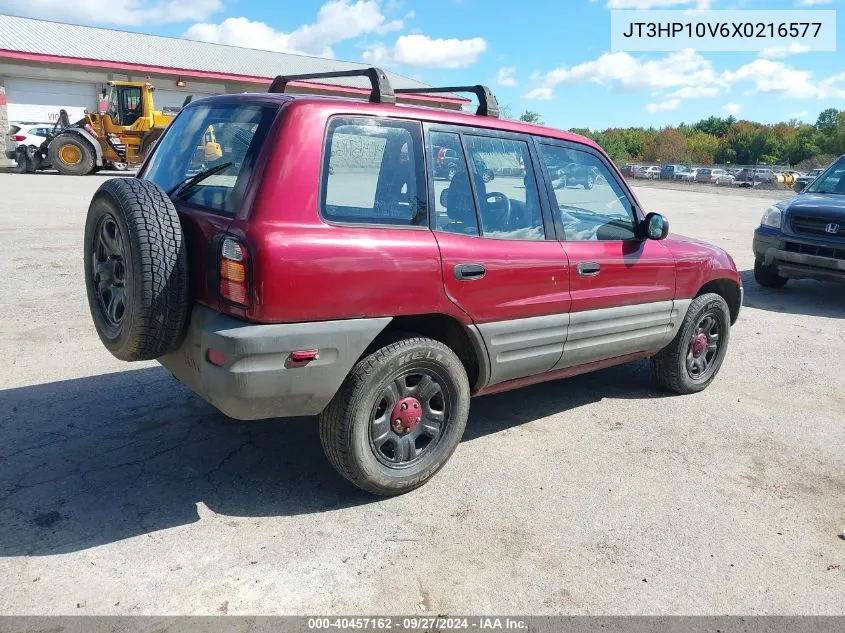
(121, 134)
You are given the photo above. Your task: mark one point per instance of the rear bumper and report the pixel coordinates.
(774, 249)
(257, 379)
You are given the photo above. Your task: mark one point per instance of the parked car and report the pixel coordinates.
(446, 165)
(311, 275)
(682, 173)
(24, 134)
(628, 171)
(805, 179)
(573, 174)
(703, 175)
(804, 238)
(652, 173)
(667, 172)
(753, 175)
(721, 177)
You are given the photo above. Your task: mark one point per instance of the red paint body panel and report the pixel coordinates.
(697, 263)
(523, 279)
(631, 273)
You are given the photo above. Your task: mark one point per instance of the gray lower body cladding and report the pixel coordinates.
(257, 380)
(526, 347)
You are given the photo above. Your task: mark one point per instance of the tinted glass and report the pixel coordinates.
(591, 204)
(506, 188)
(832, 180)
(239, 130)
(373, 173)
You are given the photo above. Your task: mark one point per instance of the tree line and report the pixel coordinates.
(718, 140)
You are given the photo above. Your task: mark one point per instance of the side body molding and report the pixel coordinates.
(536, 345)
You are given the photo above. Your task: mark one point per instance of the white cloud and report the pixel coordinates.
(812, 3)
(793, 48)
(506, 76)
(778, 78)
(337, 20)
(424, 51)
(120, 12)
(732, 108)
(800, 115)
(624, 71)
(664, 106)
(539, 94)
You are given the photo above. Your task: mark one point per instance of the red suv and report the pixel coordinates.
(318, 267)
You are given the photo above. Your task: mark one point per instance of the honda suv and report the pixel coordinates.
(318, 267)
(804, 238)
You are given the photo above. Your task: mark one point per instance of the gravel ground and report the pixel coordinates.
(122, 493)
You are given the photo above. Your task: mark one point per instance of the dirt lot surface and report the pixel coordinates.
(122, 493)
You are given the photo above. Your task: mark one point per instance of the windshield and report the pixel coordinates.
(831, 180)
(205, 137)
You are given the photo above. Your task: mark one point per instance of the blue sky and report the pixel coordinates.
(550, 57)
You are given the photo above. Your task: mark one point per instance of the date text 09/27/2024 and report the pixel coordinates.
(418, 624)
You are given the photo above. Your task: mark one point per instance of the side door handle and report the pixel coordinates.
(468, 272)
(589, 269)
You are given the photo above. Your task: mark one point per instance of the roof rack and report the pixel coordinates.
(382, 91)
(487, 104)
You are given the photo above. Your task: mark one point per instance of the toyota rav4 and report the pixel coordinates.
(316, 267)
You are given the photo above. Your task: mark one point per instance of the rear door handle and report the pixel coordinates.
(588, 269)
(467, 272)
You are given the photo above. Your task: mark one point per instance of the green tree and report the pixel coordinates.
(702, 147)
(531, 117)
(828, 120)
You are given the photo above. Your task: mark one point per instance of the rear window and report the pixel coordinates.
(14, 129)
(205, 136)
(373, 173)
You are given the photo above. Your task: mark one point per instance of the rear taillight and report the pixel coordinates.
(234, 278)
(19, 138)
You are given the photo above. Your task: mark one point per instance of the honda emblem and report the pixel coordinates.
(832, 228)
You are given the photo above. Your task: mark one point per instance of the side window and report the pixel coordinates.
(591, 204)
(373, 173)
(506, 187)
(454, 207)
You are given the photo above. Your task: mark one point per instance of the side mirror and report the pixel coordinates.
(444, 196)
(656, 226)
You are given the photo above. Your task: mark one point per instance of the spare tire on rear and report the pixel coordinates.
(136, 269)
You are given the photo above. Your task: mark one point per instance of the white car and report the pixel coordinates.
(721, 177)
(652, 173)
(26, 134)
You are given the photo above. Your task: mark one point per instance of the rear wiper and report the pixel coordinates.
(178, 192)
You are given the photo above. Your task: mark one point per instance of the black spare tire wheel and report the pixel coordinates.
(136, 269)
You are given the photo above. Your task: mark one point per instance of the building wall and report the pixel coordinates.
(4, 121)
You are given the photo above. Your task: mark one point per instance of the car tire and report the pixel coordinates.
(136, 269)
(487, 175)
(71, 155)
(767, 276)
(590, 183)
(359, 432)
(693, 359)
